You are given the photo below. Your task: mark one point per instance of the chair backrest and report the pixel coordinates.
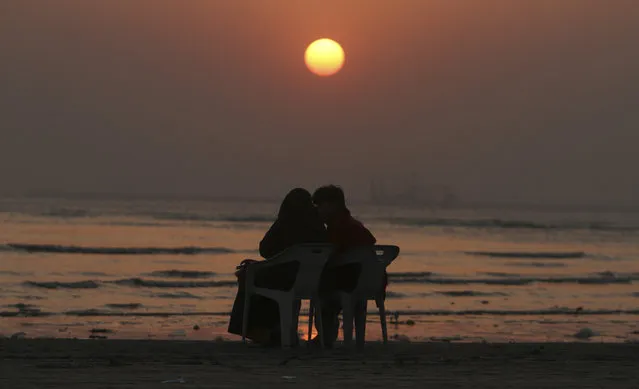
(312, 259)
(373, 261)
(387, 253)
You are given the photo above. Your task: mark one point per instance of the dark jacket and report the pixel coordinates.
(346, 232)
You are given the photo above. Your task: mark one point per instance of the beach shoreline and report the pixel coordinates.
(69, 363)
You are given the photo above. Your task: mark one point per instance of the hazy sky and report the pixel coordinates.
(531, 100)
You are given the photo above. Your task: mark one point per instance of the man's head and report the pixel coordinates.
(330, 201)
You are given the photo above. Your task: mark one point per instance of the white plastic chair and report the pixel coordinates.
(370, 286)
(312, 259)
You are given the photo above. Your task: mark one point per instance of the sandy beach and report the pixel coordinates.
(53, 363)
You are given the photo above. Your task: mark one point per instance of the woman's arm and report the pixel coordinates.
(273, 242)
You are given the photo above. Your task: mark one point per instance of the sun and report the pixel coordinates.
(324, 57)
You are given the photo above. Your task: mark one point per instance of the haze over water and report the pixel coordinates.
(528, 101)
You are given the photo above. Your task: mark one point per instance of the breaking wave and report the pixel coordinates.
(50, 248)
(542, 255)
(519, 281)
(537, 264)
(424, 274)
(135, 282)
(509, 224)
(34, 313)
(182, 274)
(599, 279)
(141, 282)
(499, 274)
(130, 306)
(468, 293)
(395, 295)
(177, 295)
(64, 285)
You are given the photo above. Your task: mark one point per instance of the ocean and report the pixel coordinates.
(163, 269)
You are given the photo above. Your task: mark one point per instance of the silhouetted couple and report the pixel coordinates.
(321, 218)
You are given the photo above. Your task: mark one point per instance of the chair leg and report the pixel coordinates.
(311, 315)
(286, 322)
(296, 323)
(245, 315)
(360, 323)
(382, 319)
(347, 313)
(320, 324)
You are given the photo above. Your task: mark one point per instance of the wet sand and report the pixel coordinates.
(53, 363)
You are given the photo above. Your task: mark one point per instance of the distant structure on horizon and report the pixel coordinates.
(414, 194)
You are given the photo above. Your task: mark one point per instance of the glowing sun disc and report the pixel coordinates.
(324, 57)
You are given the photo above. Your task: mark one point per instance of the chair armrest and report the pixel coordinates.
(353, 255)
(312, 247)
(387, 253)
(253, 267)
(283, 257)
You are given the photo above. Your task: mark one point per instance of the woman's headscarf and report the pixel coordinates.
(297, 205)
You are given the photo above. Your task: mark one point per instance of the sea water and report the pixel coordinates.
(125, 268)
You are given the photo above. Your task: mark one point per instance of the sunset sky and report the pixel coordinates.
(531, 100)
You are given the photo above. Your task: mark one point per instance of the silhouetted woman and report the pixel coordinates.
(297, 222)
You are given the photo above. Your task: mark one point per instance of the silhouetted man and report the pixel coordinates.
(344, 232)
